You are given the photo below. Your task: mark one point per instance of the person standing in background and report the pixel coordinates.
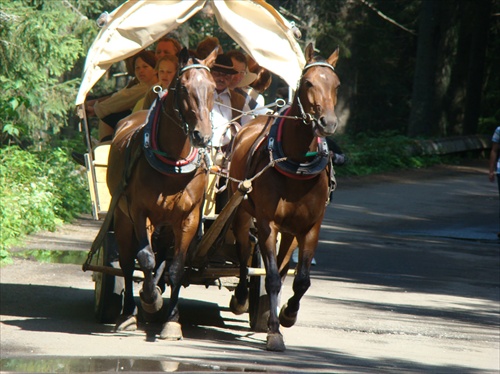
(495, 164)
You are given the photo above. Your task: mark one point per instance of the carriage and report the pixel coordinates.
(209, 255)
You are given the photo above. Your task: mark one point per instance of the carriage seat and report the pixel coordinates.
(96, 176)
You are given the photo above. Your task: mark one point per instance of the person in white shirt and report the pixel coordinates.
(240, 82)
(229, 106)
(227, 118)
(258, 86)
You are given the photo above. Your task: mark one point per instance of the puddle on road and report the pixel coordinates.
(96, 365)
(56, 257)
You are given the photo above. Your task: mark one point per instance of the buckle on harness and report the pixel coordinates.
(271, 144)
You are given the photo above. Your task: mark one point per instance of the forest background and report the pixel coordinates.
(410, 69)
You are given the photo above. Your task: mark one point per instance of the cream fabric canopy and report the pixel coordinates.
(255, 25)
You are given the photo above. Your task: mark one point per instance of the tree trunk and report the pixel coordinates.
(476, 64)
(422, 120)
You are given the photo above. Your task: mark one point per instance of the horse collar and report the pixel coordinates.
(290, 168)
(156, 158)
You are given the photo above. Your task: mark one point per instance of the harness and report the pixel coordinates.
(290, 168)
(157, 159)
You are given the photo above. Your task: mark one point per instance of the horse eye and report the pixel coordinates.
(308, 84)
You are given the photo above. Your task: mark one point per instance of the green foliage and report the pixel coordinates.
(38, 191)
(58, 257)
(39, 45)
(376, 153)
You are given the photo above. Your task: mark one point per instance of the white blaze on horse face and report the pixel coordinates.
(322, 76)
(199, 78)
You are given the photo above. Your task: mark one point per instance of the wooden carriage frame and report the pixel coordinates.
(260, 31)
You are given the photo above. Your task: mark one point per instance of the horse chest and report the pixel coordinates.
(168, 198)
(291, 204)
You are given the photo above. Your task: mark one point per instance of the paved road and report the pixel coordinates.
(407, 280)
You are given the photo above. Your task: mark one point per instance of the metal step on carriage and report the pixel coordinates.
(262, 33)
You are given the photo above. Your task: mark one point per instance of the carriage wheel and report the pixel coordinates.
(258, 301)
(108, 288)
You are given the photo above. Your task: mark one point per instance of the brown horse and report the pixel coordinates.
(160, 177)
(289, 197)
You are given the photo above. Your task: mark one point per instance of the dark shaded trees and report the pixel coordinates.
(423, 113)
(416, 67)
(449, 69)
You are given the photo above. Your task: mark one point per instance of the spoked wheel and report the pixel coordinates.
(258, 301)
(108, 288)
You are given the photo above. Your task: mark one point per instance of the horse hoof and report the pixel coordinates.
(236, 307)
(285, 320)
(126, 323)
(171, 331)
(275, 342)
(155, 306)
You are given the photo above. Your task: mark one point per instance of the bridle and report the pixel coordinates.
(179, 87)
(308, 118)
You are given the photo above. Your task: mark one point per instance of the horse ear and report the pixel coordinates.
(309, 52)
(332, 60)
(210, 60)
(183, 57)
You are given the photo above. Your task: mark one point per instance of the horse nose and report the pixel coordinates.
(200, 140)
(329, 123)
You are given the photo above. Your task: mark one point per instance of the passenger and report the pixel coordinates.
(131, 80)
(166, 68)
(258, 86)
(120, 104)
(226, 120)
(206, 46)
(228, 104)
(167, 46)
(241, 80)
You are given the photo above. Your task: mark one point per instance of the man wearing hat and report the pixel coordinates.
(228, 104)
(243, 78)
(226, 120)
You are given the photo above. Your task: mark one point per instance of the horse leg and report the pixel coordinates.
(241, 230)
(184, 234)
(161, 240)
(287, 245)
(150, 294)
(127, 245)
(267, 238)
(302, 281)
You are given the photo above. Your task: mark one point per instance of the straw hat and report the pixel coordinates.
(247, 79)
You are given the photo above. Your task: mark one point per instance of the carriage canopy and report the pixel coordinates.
(256, 26)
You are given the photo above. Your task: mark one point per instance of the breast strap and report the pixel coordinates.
(159, 160)
(290, 168)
